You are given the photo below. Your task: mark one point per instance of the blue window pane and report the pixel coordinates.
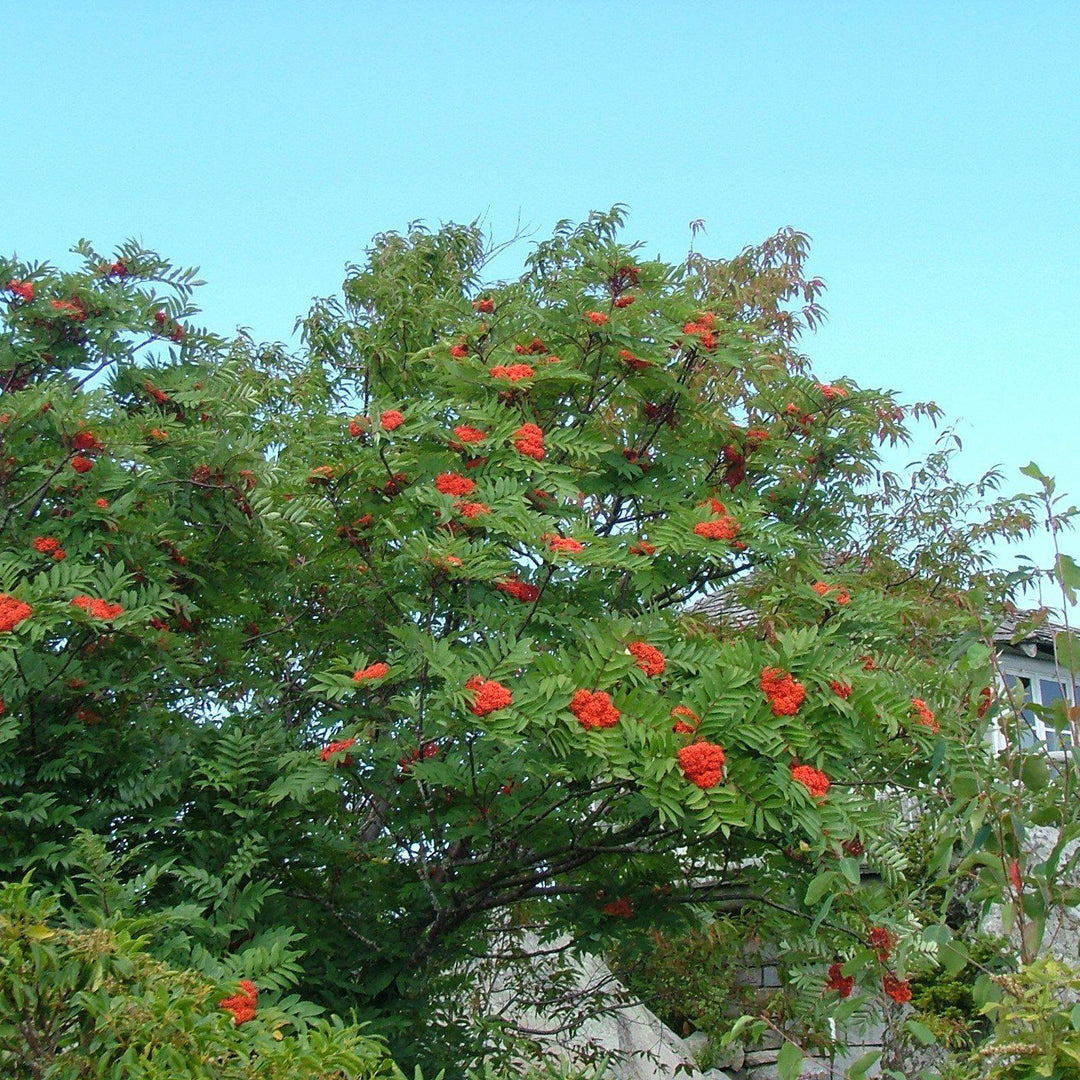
(1028, 732)
(1051, 691)
(1030, 729)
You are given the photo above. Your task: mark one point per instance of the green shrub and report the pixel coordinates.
(85, 1003)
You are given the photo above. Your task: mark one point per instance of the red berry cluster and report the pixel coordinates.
(99, 609)
(513, 372)
(243, 1005)
(784, 693)
(335, 748)
(529, 440)
(702, 328)
(594, 709)
(49, 545)
(702, 763)
(450, 483)
(649, 658)
(925, 715)
(687, 721)
(12, 612)
(815, 781)
(488, 695)
(524, 591)
(378, 670)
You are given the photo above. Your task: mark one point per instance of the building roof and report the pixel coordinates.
(723, 605)
(1041, 636)
(725, 608)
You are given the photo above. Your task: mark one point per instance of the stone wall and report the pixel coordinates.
(576, 1010)
(1063, 926)
(759, 1062)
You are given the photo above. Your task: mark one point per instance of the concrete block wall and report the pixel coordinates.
(759, 1062)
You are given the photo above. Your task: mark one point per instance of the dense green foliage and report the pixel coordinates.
(526, 484)
(93, 1002)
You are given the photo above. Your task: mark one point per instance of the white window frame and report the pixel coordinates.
(1034, 669)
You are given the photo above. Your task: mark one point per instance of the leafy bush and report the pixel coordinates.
(93, 1002)
(946, 1001)
(1036, 1023)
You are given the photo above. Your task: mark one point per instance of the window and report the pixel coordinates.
(1040, 683)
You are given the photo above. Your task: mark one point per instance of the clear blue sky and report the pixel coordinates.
(932, 151)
